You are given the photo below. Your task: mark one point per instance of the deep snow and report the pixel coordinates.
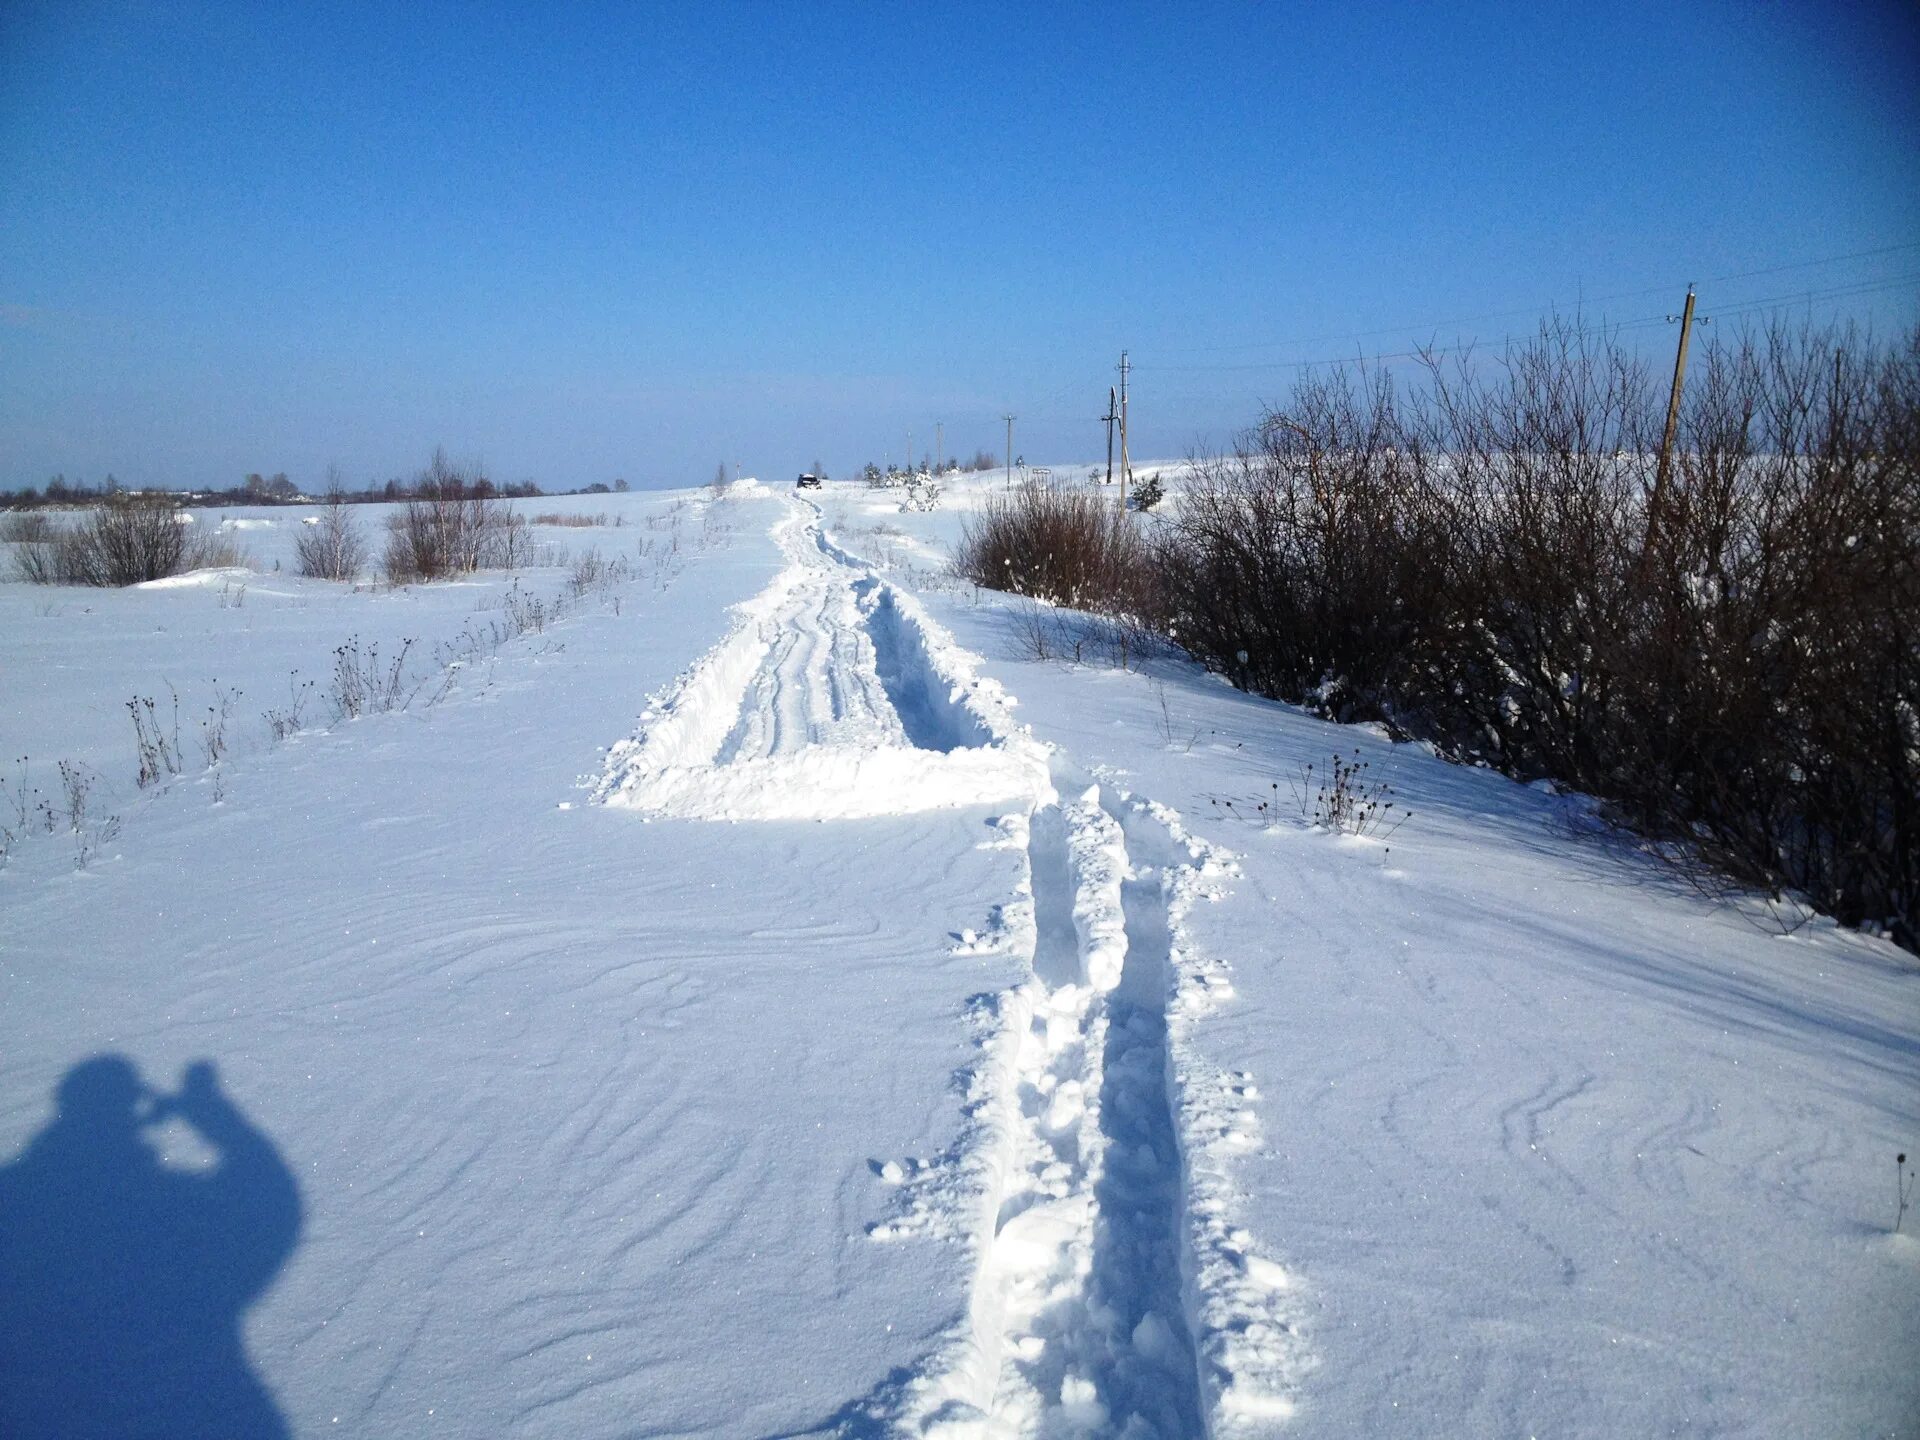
(761, 1001)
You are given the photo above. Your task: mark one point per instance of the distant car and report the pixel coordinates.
(807, 482)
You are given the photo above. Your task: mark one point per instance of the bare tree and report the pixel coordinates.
(333, 547)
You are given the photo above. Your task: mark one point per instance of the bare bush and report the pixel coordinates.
(26, 527)
(131, 539)
(453, 526)
(41, 554)
(128, 540)
(1480, 559)
(332, 548)
(1069, 547)
(156, 742)
(1346, 800)
(216, 550)
(287, 721)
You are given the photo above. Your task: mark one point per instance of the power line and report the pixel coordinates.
(1841, 292)
(1549, 307)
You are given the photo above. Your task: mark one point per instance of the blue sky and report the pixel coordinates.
(585, 242)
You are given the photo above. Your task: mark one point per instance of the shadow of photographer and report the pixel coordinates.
(123, 1280)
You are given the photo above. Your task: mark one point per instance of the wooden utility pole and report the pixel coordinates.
(1010, 420)
(1656, 511)
(939, 445)
(1112, 415)
(1126, 460)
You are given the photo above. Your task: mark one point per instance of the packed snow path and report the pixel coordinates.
(830, 699)
(834, 694)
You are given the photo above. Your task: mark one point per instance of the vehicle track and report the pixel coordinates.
(1085, 1245)
(820, 682)
(831, 699)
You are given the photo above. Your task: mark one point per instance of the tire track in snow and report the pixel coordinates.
(820, 681)
(834, 697)
(1095, 1330)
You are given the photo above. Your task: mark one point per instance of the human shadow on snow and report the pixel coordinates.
(123, 1280)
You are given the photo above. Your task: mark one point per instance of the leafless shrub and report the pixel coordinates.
(127, 540)
(579, 522)
(594, 574)
(20, 806)
(26, 527)
(215, 550)
(332, 548)
(290, 720)
(131, 539)
(525, 610)
(1480, 558)
(453, 526)
(89, 830)
(213, 726)
(1070, 547)
(42, 553)
(76, 782)
(1346, 799)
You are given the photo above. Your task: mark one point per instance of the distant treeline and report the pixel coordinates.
(277, 490)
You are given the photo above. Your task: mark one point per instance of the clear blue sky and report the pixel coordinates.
(581, 242)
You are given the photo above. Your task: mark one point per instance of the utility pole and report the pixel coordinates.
(910, 452)
(1112, 415)
(1126, 461)
(939, 446)
(1656, 511)
(1010, 420)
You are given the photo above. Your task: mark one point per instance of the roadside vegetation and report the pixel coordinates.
(1490, 556)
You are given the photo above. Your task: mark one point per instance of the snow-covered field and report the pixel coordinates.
(749, 995)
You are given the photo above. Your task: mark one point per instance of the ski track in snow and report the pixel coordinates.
(1099, 1304)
